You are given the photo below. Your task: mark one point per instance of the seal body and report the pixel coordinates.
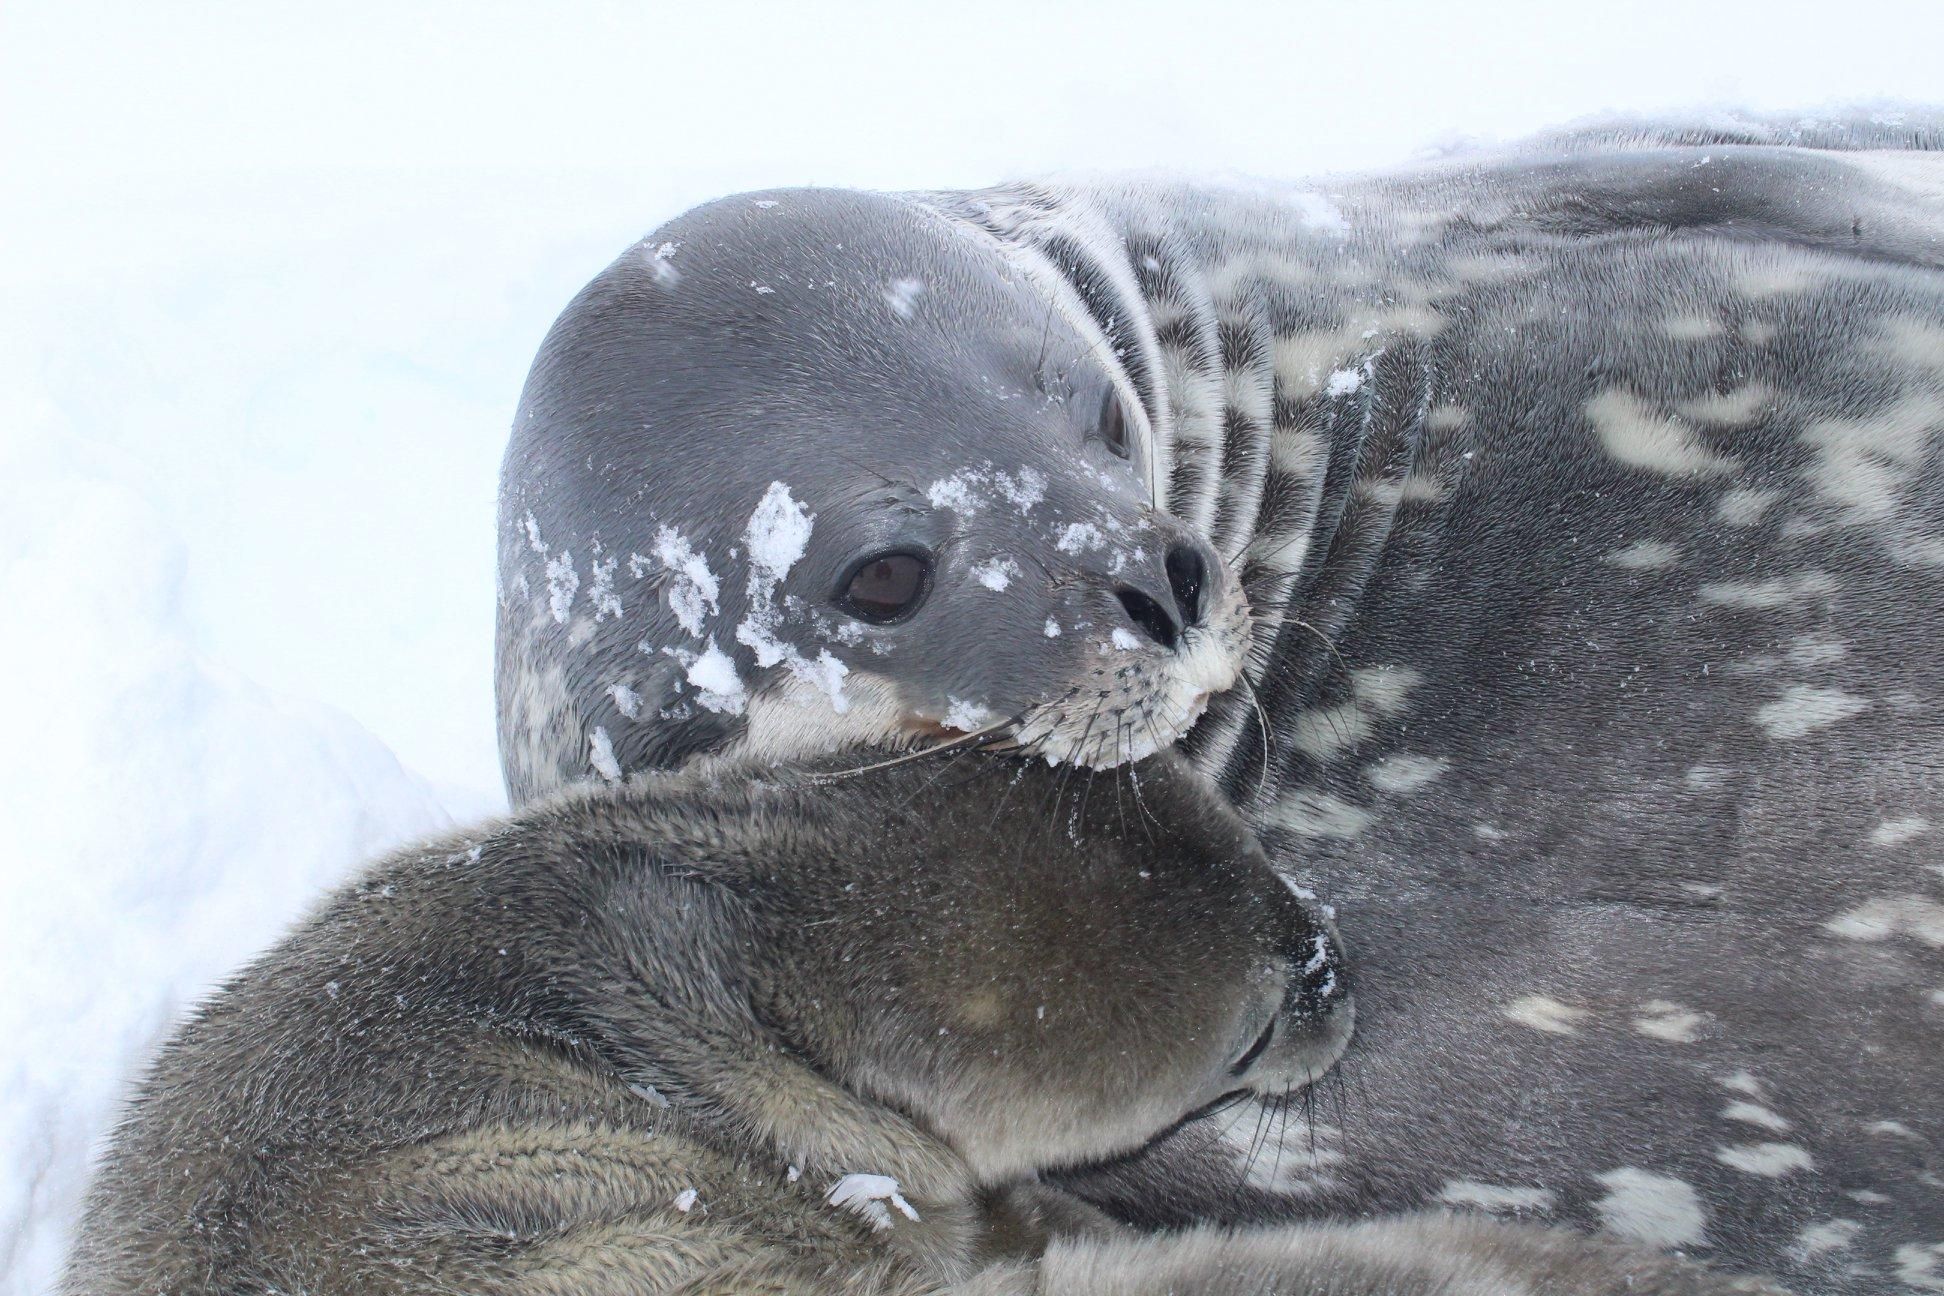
(1587, 505)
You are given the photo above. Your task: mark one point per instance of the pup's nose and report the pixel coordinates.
(1315, 1019)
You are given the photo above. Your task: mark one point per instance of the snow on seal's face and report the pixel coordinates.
(815, 470)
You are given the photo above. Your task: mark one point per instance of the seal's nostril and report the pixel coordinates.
(1317, 966)
(1151, 617)
(1187, 573)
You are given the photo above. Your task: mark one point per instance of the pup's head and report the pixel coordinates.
(1044, 968)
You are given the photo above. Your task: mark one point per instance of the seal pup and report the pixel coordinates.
(1587, 502)
(696, 1031)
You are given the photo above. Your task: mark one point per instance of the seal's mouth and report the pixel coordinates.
(1129, 709)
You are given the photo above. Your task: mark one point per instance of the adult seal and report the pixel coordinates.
(1542, 549)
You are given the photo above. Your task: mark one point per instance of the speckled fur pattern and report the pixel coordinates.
(709, 1034)
(1590, 502)
(1588, 506)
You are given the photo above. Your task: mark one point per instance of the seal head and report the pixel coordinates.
(810, 470)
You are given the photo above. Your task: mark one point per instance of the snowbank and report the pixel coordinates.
(165, 816)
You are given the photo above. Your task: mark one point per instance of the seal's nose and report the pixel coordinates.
(1187, 573)
(1187, 577)
(1149, 616)
(1314, 1021)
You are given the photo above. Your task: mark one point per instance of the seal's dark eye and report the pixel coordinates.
(887, 586)
(1113, 426)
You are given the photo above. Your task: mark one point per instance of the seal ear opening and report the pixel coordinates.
(1112, 427)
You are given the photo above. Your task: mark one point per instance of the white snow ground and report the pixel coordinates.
(269, 282)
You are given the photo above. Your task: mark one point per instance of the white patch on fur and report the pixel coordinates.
(1777, 591)
(1662, 1020)
(1864, 465)
(777, 535)
(1916, 342)
(1755, 1114)
(1820, 1239)
(966, 716)
(1705, 778)
(1078, 538)
(685, 1200)
(1744, 505)
(1771, 272)
(1421, 487)
(1496, 1198)
(1656, 1209)
(1544, 1013)
(1310, 813)
(1644, 555)
(1301, 452)
(1691, 328)
(996, 574)
(1376, 692)
(1052, 628)
(1296, 1158)
(872, 1196)
(1770, 1160)
(562, 582)
(1742, 1082)
(1895, 832)
(1918, 551)
(712, 673)
(1642, 437)
(1743, 405)
(954, 492)
(1886, 916)
(601, 755)
(693, 590)
(600, 587)
(662, 267)
(902, 296)
(1342, 382)
(1384, 688)
(1816, 650)
(1921, 1267)
(1404, 774)
(1805, 708)
(626, 700)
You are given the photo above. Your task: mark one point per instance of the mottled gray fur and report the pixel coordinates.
(1588, 501)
